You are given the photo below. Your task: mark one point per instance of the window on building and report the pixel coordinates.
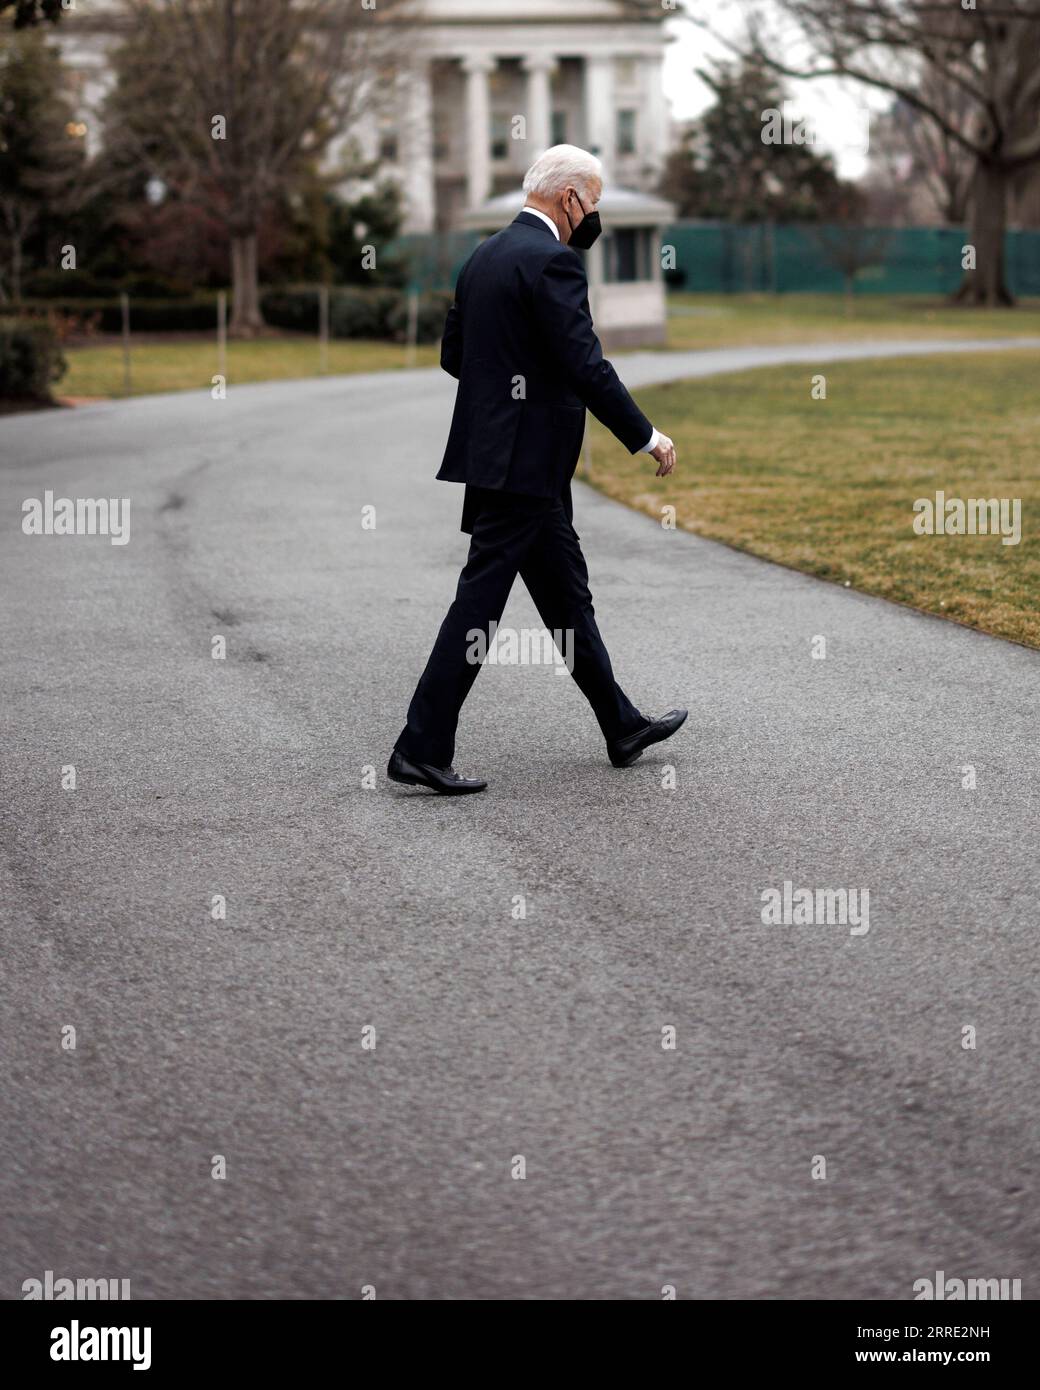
(627, 254)
(559, 128)
(388, 144)
(626, 73)
(501, 130)
(443, 144)
(626, 132)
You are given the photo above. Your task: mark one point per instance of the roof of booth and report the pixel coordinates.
(621, 207)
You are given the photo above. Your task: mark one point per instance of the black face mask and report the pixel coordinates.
(587, 231)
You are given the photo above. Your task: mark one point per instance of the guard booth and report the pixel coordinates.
(626, 283)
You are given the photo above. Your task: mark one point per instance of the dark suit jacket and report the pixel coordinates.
(520, 339)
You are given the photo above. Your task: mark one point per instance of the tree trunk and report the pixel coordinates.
(15, 228)
(246, 321)
(987, 284)
(16, 268)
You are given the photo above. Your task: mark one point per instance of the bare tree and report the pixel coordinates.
(941, 163)
(849, 247)
(922, 51)
(230, 103)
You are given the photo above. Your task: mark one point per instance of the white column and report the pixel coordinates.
(416, 147)
(600, 108)
(656, 132)
(539, 68)
(477, 67)
(100, 79)
(363, 129)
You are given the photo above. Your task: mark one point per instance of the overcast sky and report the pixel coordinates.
(833, 107)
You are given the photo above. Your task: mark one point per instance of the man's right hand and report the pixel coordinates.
(665, 456)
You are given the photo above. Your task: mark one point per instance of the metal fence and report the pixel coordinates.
(802, 258)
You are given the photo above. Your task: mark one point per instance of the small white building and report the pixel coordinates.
(626, 282)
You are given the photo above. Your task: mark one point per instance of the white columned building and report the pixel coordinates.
(539, 68)
(587, 72)
(416, 104)
(478, 68)
(601, 106)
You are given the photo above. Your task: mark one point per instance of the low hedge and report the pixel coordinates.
(356, 313)
(361, 313)
(433, 310)
(31, 359)
(146, 315)
(353, 313)
(84, 284)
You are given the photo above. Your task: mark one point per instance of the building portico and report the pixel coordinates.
(502, 83)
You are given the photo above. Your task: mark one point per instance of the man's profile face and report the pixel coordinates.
(577, 204)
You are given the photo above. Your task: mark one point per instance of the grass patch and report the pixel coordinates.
(714, 321)
(828, 487)
(695, 321)
(190, 364)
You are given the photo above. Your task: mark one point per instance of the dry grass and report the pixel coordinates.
(828, 486)
(714, 321)
(695, 321)
(189, 364)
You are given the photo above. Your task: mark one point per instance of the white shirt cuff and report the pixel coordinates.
(655, 439)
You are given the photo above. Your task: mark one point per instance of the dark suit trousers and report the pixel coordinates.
(532, 537)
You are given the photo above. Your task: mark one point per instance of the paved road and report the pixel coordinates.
(349, 907)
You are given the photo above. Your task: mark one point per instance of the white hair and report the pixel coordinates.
(560, 166)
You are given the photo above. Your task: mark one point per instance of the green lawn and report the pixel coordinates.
(712, 321)
(828, 486)
(190, 364)
(695, 321)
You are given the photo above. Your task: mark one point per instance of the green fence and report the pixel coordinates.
(434, 261)
(722, 258)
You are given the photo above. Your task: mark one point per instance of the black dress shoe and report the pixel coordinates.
(444, 780)
(624, 751)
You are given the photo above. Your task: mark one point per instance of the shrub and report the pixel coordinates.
(356, 313)
(84, 284)
(198, 315)
(146, 315)
(433, 310)
(31, 359)
(361, 313)
(149, 286)
(291, 308)
(67, 284)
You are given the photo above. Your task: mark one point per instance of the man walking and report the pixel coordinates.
(520, 340)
